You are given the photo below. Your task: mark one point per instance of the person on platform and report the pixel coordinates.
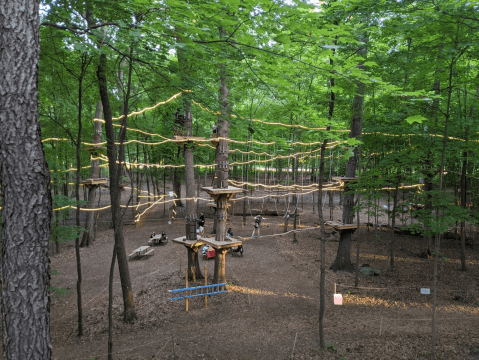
(201, 224)
(179, 123)
(257, 224)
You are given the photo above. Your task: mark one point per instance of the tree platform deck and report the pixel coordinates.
(338, 226)
(214, 141)
(180, 140)
(218, 191)
(213, 204)
(91, 181)
(215, 193)
(344, 178)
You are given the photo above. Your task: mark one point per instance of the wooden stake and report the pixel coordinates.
(186, 285)
(174, 348)
(292, 354)
(335, 288)
(206, 283)
(194, 273)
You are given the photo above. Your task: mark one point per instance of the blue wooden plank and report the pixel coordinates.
(195, 288)
(196, 295)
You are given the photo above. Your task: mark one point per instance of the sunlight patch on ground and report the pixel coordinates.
(386, 258)
(245, 290)
(350, 299)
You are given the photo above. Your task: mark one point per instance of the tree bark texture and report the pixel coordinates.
(115, 175)
(77, 197)
(393, 225)
(343, 258)
(222, 153)
(25, 181)
(194, 264)
(322, 304)
(464, 205)
(295, 197)
(193, 261)
(219, 276)
(222, 168)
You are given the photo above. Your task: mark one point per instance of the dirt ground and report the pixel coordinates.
(271, 308)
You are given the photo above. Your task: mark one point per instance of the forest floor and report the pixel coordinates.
(271, 308)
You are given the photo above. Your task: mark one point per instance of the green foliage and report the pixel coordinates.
(61, 233)
(284, 61)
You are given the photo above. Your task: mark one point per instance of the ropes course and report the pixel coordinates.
(260, 158)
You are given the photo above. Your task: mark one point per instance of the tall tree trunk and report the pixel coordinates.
(193, 262)
(84, 65)
(322, 304)
(247, 178)
(222, 168)
(393, 223)
(90, 225)
(463, 205)
(343, 255)
(177, 183)
(115, 176)
(110, 305)
(295, 197)
(25, 183)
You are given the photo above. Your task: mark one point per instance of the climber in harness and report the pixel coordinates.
(257, 224)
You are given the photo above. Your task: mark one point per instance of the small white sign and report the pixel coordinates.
(171, 194)
(425, 291)
(338, 299)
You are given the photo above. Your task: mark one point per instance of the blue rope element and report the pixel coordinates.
(196, 288)
(191, 296)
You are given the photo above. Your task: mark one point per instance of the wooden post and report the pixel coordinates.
(186, 285)
(194, 273)
(335, 288)
(206, 283)
(219, 275)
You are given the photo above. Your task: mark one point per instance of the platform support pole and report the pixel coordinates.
(206, 283)
(186, 286)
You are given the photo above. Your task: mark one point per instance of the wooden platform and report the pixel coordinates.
(180, 140)
(227, 190)
(340, 226)
(92, 182)
(344, 178)
(214, 141)
(213, 204)
(209, 241)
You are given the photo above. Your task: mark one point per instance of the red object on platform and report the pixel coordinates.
(210, 254)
